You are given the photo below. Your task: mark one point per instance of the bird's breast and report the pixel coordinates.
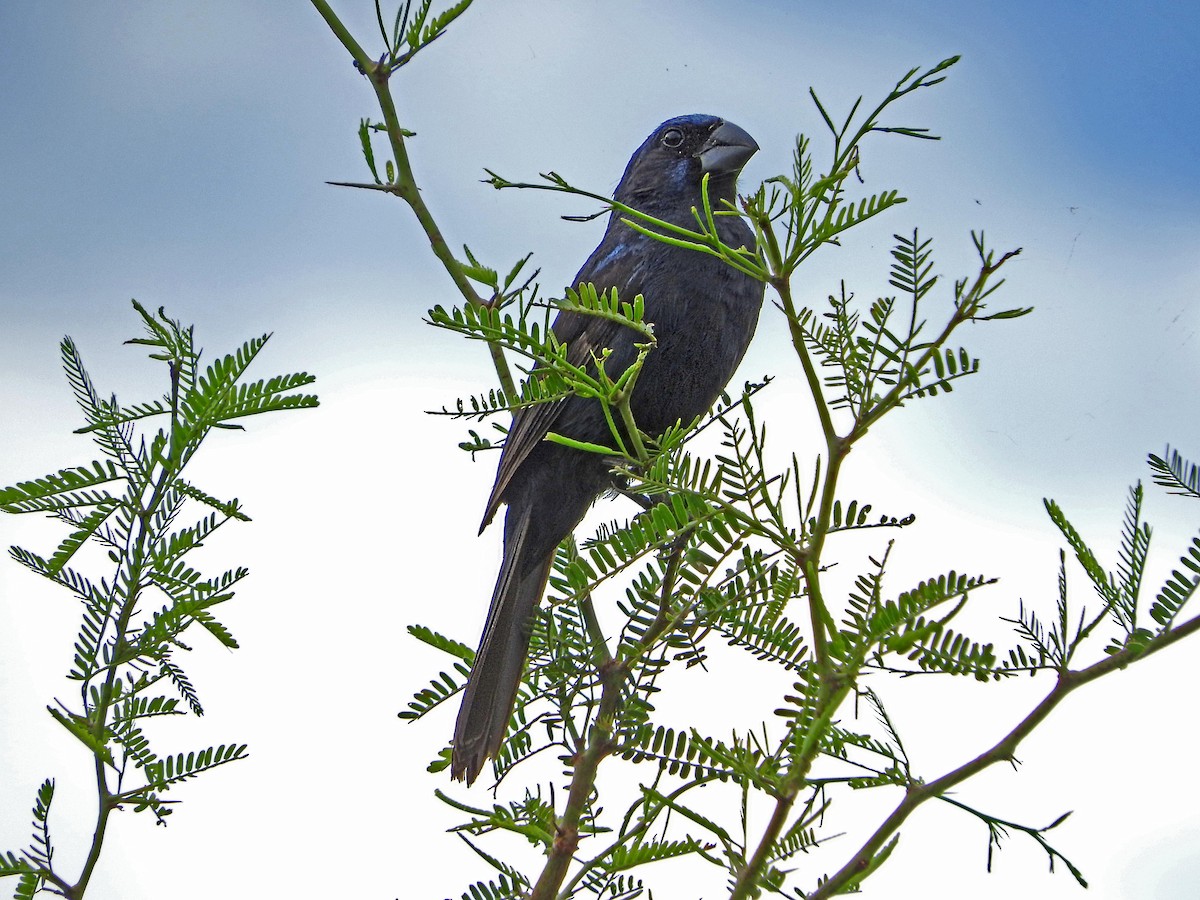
(704, 314)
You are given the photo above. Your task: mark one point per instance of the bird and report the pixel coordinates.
(704, 314)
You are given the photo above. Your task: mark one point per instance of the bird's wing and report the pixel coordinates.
(612, 264)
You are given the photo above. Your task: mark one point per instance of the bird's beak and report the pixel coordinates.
(726, 150)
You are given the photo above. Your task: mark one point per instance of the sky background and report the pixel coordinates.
(177, 153)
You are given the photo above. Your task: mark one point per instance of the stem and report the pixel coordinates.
(600, 744)
(104, 808)
(626, 836)
(670, 574)
(613, 674)
(748, 878)
(595, 632)
(809, 558)
(837, 447)
(134, 556)
(99, 716)
(405, 185)
(783, 288)
(63, 887)
(341, 32)
(774, 256)
(636, 448)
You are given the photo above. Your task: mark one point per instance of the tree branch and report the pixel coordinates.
(1003, 750)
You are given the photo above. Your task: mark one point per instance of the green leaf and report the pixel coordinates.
(1132, 553)
(443, 643)
(182, 683)
(29, 884)
(1100, 579)
(87, 527)
(79, 728)
(503, 888)
(1005, 314)
(691, 814)
(364, 139)
(478, 272)
(41, 850)
(10, 864)
(171, 770)
(943, 650)
(135, 743)
(440, 689)
(67, 487)
(230, 508)
(1176, 474)
(642, 852)
(1178, 588)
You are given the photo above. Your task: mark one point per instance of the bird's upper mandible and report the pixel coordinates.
(677, 155)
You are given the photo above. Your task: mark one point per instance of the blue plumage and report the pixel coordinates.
(704, 314)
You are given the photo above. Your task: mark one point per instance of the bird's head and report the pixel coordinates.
(672, 161)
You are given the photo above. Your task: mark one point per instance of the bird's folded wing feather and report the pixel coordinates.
(585, 336)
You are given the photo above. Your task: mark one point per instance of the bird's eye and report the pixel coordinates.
(672, 138)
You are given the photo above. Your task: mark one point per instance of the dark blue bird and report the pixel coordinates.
(704, 313)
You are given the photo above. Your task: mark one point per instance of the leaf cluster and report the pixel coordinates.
(555, 373)
(136, 505)
(1122, 601)
(412, 29)
(718, 552)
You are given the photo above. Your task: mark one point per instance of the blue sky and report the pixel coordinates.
(178, 153)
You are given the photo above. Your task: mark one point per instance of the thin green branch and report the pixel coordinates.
(625, 836)
(749, 878)
(405, 185)
(583, 779)
(1003, 750)
(120, 653)
(967, 309)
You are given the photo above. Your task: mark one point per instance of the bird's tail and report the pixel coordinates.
(492, 688)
